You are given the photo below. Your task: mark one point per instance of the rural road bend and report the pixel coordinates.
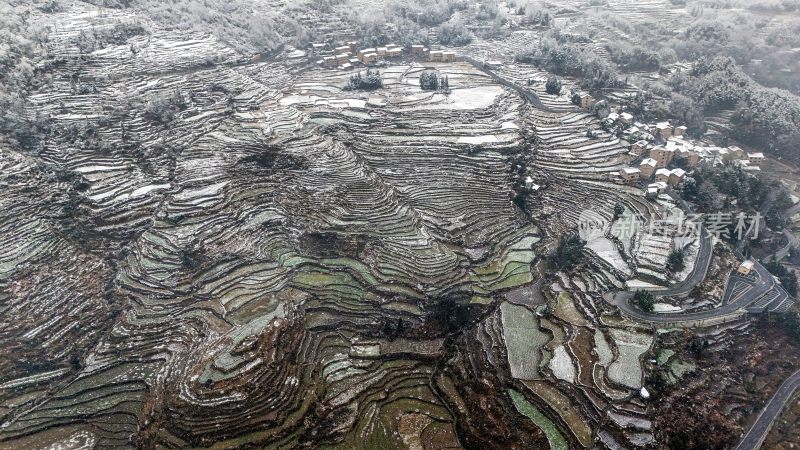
(755, 436)
(526, 94)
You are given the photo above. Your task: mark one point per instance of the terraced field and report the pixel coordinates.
(211, 249)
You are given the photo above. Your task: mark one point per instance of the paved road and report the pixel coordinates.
(526, 94)
(791, 211)
(698, 273)
(755, 436)
(792, 242)
(761, 286)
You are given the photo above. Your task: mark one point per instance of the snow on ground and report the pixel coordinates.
(607, 251)
(469, 98)
(562, 365)
(666, 308)
(639, 284)
(691, 248)
(626, 369)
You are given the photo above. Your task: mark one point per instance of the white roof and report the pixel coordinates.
(663, 172)
(678, 172)
(642, 142)
(663, 125)
(755, 155)
(648, 162)
(626, 116)
(631, 170)
(613, 116)
(748, 264)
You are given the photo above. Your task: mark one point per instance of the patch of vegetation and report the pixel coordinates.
(633, 57)
(558, 54)
(568, 253)
(450, 314)
(164, 108)
(232, 21)
(791, 322)
(619, 209)
(714, 188)
(432, 80)
(766, 118)
(553, 86)
(368, 81)
(645, 300)
(454, 33)
(51, 6)
(95, 39)
(675, 261)
(787, 277)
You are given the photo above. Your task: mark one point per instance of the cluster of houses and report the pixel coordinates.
(654, 159)
(349, 56)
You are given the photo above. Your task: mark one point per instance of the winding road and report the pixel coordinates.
(526, 94)
(757, 433)
(733, 305)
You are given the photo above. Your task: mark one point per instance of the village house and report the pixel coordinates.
(435, 56)
(344, 49)
(653, 189)
(676, 177)
(417, 49)
(586, 101)
(448, 56)
(755, 158)
(746, 267)
(736, 152)
(629, 174)
(647, 167)
(637, 148)
(664, 129)
(365, 51)
(693, 158)
(681, 130)
(626, 118)
(662, 175)
(630, 132)
(661, 155)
